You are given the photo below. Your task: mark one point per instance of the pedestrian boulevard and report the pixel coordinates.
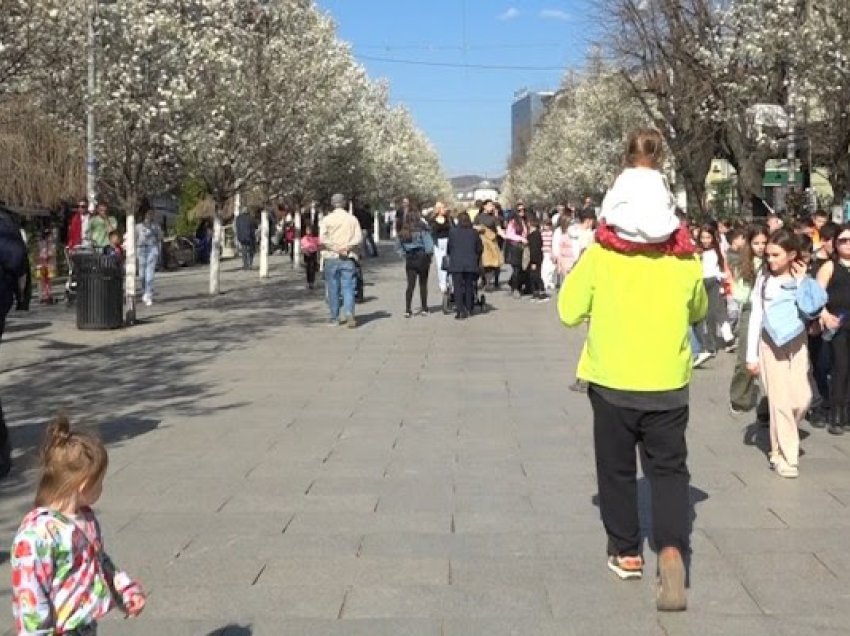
(271, 475)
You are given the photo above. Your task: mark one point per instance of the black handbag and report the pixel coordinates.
(445, 264)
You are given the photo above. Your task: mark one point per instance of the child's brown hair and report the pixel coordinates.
(70, 462)
(645, 147)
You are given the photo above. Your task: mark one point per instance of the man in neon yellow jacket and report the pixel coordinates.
(637, 362)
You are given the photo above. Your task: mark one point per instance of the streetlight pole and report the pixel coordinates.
(792, 138)
(91, 160)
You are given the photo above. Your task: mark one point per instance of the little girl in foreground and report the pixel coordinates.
(62, 579)
(783, 298)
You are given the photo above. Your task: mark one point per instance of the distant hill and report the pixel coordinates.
(469, 181)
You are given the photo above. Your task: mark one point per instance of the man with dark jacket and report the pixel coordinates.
(13, 260)
(246, 235)
(464, 250)
(367, 223)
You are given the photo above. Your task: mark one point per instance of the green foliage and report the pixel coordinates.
(192, 192)
(724, 198)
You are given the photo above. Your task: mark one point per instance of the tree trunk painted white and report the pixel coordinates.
(215, 255)
(237, 209)
(130, 265)
(264, 243)
(376, 226)
(296, 244)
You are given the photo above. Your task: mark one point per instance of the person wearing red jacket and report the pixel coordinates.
(77, 228)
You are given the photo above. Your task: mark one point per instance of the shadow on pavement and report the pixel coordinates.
(127, 386)
(365, 319)
(232, 630)
(26, 442)
(18, 327)
(758, 434)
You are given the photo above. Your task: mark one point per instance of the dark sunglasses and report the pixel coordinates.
(842, 241)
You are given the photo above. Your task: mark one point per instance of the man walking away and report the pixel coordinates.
(367, 226)
(640, 301)
(13, 261)
(246, 234)
(340, 238)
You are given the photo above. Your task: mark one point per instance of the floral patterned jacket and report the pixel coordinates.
(62, 579)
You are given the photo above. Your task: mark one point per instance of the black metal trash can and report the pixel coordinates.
(100, 291)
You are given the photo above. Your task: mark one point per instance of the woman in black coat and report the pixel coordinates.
(464, 252)
(13, 263)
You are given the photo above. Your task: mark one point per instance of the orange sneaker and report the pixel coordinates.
(626, 567)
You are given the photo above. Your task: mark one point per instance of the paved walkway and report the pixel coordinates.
(270, 475)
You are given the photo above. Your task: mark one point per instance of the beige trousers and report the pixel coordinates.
(784, 378)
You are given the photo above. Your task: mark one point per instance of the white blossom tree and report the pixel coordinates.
(141, 94)
(577, 148)
(32, 38)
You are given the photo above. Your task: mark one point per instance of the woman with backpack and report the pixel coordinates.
(416, 246)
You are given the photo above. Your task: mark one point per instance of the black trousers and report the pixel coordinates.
(464, 289)
(617, 431)
(417, 268)
(311, 264)
(820, 358)
(518, 277)
(535, 280)
(839, 387)
(247, 255)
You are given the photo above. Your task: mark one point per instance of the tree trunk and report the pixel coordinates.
(839, 179)
(215, 254)
(750, 183)
(296, 246)
(696, 194)
(264, 243)
(130, 263)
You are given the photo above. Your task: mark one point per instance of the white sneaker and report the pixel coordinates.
(786, 470)
(147, 300)
(702, 358)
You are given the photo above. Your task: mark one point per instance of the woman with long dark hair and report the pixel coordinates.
(516, 241)
(416, 246)
(785, 298)
(713, 273)
(834, 277)
(742, 388)
(441, 225)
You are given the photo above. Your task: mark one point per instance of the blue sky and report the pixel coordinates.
(465, 111)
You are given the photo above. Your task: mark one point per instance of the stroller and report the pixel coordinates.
(479, 303)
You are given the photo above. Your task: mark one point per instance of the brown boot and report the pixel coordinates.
(671, 581)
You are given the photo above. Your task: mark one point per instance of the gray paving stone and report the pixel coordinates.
(355, 571)
(350, 627)
(240, 605)
(446, 601)
(366, 523)
(636, 625)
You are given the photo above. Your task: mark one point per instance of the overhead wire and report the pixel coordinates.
(461, 65)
